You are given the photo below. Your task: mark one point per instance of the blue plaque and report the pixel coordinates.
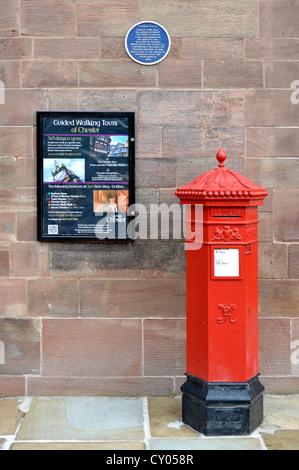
(148, 43)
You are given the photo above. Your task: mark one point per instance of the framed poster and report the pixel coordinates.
(86, 175)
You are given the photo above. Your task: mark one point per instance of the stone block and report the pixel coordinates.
(26, 172)
(212, 48)
(4, 261)
(99, 386)
(271, 142)
(279, 18)
(278, 298)
(10, 73)
(7, 172)
(286, 210)
(293, 258)
(233, 74)
(13, 200)
(202, 142)
(16, 141)
(8, 227)
(66, 48)
(105, 100)
(13, 297)
(61, 73)
(9, 15)
(65, 352)
(105, 18)
(12, 386)
(123, 73)
(15, 48)
(180, 74)
(280, 74)
(148, 142)
(56, 18)
(164, 347)
(155, 172)
(207, 18)
(182, 108)
(24, 260)
(21, 338)
(126, 298)
(20, 107)
(274, 346)
(271, 108)
(27, 226)
(272, 261)
(272, 49)
(280, 173)
(52, 298)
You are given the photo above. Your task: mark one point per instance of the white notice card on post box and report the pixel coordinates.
(226, 263)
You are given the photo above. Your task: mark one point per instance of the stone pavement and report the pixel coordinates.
(143, 423)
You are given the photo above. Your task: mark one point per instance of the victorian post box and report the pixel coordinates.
(222, 394)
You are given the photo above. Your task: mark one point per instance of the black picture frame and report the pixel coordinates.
(73, 148)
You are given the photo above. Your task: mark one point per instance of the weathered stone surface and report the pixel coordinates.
(9, 14)
(95, 386)
(233, 19)
(51, 297)
(24, 260)
(13, 297)
(66, 48)
(15, 48)
(282, 440)
(10, 417)
(126, 298)
(233, 74)
(280, 74)
(274, 346)
(107, 74)
(272, 49)
(267, 108)
(115, 17)
(180, 74)
(106, 354)
(278, 19)
(279, 298)
(61, 73)
(16, 141)
(56, 18)
(271, 142)
(182, 108)
(21, 338)
(286, 215)
(293, 261)
(212, 48)
(280, 173)
(164, 347)
(84, 419)
(272, 261)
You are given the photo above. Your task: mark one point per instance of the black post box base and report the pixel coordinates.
(222, 409)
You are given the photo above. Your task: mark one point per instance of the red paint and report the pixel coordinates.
(222, 306)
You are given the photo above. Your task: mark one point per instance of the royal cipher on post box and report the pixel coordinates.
(222, 394)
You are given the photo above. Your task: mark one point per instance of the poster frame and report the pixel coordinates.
(106, 115)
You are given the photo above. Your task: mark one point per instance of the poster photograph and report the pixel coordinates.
(86, 175)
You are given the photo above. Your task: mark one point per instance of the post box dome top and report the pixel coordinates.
(221, 184)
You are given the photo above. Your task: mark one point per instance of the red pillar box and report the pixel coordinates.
(223, 394)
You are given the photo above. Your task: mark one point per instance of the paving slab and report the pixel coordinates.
(206, 444)
(282, 440)
(80, 418)
(281, 412)
(11, 416)
(78, 446)
(165, 418)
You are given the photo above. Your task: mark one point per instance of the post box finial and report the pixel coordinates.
(221, 156)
